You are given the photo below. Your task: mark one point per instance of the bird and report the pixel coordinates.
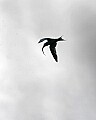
(52, 44)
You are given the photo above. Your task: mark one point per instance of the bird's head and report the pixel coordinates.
(61, 39)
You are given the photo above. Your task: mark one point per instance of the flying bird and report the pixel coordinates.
(52, 44)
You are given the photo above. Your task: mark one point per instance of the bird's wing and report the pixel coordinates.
(53, 51)
(45, 44)
(41, 40)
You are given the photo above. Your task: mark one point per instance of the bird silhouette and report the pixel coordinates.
(52, 44)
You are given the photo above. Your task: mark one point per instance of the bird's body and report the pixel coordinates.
(52, 44)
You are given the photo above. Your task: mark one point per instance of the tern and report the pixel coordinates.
(52, 44)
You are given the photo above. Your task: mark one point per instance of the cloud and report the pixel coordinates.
(34, 86)
(84, 28)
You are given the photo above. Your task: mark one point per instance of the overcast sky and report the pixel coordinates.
(34, 86)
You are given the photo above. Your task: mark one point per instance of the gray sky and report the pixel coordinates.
(34, 86)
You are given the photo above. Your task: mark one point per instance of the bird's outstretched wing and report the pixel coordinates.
(45, 44)
(53, 51)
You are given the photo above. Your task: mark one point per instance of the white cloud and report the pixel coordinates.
(34, 86)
